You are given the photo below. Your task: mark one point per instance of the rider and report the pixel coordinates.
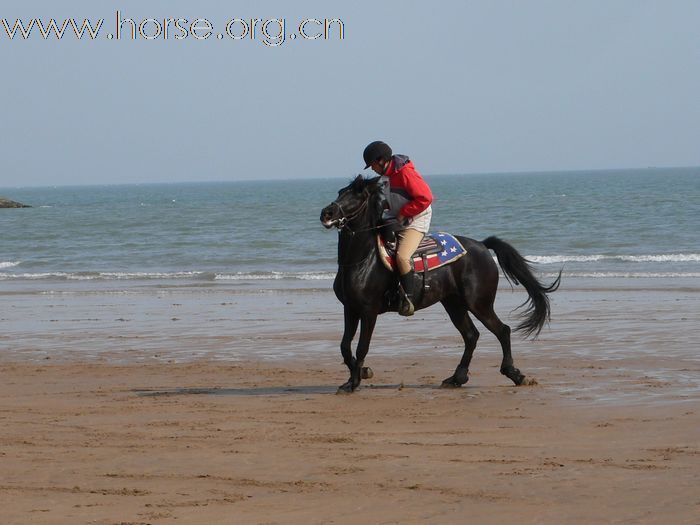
(410, 201)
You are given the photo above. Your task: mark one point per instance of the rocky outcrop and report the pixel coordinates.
(6, 203)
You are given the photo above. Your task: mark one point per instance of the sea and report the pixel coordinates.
(598, 225)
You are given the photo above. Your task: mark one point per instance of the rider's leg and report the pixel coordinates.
(409, 240)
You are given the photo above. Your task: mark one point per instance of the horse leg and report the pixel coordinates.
(490, 320)
(459, 315)
(366, 329)
(351, 322)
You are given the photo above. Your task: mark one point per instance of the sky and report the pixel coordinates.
(460, 86)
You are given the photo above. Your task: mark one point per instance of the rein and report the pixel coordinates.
(353, 232)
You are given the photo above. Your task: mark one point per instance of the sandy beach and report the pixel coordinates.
(207, 405)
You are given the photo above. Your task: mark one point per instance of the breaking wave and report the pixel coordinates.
(148, 276)
(671, 257)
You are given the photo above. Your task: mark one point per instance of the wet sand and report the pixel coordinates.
(229, 414)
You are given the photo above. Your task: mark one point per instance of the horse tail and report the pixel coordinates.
(518, 270)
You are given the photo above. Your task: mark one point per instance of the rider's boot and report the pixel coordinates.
(406, 307)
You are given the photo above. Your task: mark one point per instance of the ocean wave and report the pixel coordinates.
(303, 276)
(669, 257)
(108, 276)
(622, 275)
(286, 276)
(9, 264)
(189, 275)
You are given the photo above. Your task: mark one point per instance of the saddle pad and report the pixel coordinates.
(452, 250)
(428, 245)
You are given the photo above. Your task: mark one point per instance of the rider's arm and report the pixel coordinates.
(418, 189)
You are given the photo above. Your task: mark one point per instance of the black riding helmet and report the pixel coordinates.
(376, 150)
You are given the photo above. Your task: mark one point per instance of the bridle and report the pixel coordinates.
(342, 222)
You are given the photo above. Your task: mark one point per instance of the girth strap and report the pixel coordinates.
(425, 271)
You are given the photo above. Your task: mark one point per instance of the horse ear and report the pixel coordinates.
(359, 184)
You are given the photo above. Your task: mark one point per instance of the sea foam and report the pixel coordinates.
(670, 257)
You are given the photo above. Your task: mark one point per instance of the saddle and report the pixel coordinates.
(434, 251)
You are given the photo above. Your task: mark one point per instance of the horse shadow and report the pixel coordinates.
(270, 391)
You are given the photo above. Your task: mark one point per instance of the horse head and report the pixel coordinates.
(359, 203)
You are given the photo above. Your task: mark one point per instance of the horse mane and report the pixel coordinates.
(374, 188)
(360, 183)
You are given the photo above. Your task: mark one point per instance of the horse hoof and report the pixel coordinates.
(345, 388)
(450, 383)
(367, 373)
(529, 381)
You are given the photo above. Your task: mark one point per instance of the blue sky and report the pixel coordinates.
(460, 86)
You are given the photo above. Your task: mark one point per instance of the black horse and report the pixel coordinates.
(365, 286)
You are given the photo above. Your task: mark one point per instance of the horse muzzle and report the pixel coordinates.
(330, 216)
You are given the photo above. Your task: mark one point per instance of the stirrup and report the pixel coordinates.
(406, 307)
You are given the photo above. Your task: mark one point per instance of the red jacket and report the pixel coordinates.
(405, 181)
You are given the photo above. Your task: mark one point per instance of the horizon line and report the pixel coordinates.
(455, 174)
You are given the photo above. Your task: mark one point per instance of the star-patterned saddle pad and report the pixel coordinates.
(436, 249)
